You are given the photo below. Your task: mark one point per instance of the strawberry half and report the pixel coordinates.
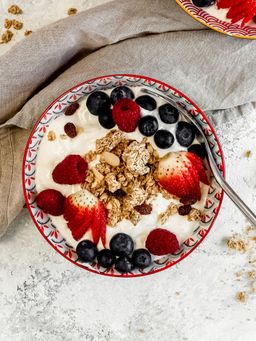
(180, 174)
(83, 212)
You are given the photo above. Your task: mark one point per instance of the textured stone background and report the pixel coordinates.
(44, 297)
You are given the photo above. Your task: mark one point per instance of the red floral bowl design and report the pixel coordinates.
(43, 222)
(215, 19)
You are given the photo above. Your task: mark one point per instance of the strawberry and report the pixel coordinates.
(243, 10)
(180, 174)
(83, 212)
(51, 201)
(126, 114)
(72, 170)
(198, 164)
(161, 242)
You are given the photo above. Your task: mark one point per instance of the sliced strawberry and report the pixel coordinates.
(83, 211)
(180, 174)
(239, 9)
(198, 164)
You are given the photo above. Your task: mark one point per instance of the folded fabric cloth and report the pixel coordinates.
(150, 37)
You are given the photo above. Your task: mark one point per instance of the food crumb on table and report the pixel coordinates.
(27, 33)
(248, 154)
(14, 9)
(241, 296)
(72, 11)
(6, 37)
(17, 25)
(7, 23)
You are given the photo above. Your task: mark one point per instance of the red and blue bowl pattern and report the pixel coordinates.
(215, 22)
(57, 108)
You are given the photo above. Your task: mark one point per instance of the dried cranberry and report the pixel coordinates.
(72, 109)
(184, 210)
(70, 129)
(143, 209)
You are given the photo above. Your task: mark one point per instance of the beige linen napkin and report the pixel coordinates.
(150, 37)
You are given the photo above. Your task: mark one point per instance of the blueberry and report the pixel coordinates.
(141, 258)
(121, 92)
(106, 119)
(106, 258)
(86, 251)
(168, 113)
(148, 125)
(98, 102)
(121, 244)
(163, 139)
(146, 102)
(185, 133)
(124, 265)
(203, 3)
(198, 149)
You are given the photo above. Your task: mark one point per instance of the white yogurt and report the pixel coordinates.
(53, 152)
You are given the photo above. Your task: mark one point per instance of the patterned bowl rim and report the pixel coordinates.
(146, 78)
(215, 23)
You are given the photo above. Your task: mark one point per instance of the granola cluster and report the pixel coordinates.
(123, 176)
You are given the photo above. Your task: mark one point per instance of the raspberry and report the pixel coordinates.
(72, 170)
(126, 114)
(51, 201)
(72, 109)
(161, 242)
(70, 129)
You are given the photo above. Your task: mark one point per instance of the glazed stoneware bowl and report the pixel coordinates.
(57, 108)
(216, 19)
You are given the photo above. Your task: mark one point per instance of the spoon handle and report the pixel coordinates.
(215, 170)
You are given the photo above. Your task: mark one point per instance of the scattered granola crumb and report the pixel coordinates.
(254, 287)
(241, 296)
(72, 11)
(248, 153)
(6, 36)
(194, 215)
(250, 229)
(27, 33)
(51, 135)
(14, 9)
(171, 210)
(63, 136)
(17, 25)
(251, 274)
(7, 23)
(238, 244)
(238, 274)
(177, 293)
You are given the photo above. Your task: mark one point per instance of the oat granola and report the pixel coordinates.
(17, 25)
(127, 166)
(6, 36)
(51, 135)
(27, 33)
(14, 9)
(7, 23)
(72, 11)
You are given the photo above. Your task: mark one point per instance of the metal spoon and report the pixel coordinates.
(217, 174)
